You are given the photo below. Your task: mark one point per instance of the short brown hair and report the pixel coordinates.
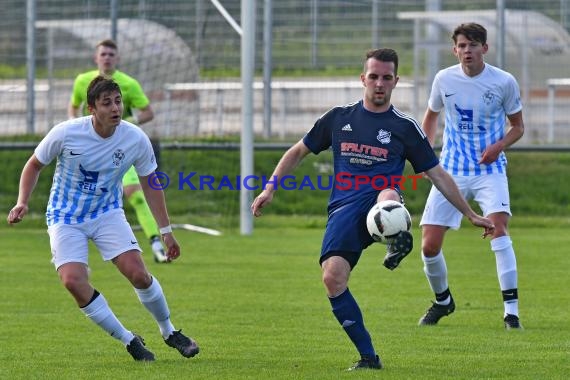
(384, 55)
(98, 86)
(472, 31)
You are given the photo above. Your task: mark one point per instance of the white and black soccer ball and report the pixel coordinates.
(386, 219)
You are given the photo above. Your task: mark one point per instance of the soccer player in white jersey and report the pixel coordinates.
(93, 153)
(477, 100)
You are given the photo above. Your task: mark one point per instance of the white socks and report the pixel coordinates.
(506, 270)
(506, 262)
(153, 299)
(99, 312)
(436, 273)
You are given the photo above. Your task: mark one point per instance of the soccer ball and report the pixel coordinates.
(386, 219)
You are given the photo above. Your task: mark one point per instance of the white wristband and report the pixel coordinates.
(165, 230)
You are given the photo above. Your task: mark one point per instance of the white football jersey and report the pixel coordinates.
(88, 176)
(475, 116)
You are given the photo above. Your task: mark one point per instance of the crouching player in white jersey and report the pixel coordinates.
(93, 153)
(477, 99)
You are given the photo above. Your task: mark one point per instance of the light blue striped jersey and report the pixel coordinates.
(475, 116)
(88, 176)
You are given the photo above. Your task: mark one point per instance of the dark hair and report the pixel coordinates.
(384, 55)
(472, 31)
(98, 86)
(107, 43)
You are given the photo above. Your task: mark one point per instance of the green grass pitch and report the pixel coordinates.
(257, 307)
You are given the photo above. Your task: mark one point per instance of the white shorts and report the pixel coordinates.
(490, 191)
(110, 232)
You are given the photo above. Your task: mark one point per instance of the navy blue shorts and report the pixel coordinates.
(346, 234)
(346, 231)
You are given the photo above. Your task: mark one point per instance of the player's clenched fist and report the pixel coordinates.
(17, 214)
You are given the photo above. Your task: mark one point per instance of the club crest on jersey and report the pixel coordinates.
(384, 136)
(118, 156)
(488, 97)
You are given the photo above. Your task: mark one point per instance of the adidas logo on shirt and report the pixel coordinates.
(347, 128)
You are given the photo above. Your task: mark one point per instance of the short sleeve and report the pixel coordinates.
(435, 102)
(51, 145)
(422, 157)
(319, 138)
(145, 162)
(418, 149)
(512, 102)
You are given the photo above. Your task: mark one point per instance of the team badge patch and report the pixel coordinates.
(118, 157)
(488, 98)
(384, 137)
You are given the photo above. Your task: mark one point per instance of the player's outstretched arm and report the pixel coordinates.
(445, 183)
(288, 162)
(28, 181)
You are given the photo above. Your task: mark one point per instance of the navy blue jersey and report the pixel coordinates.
(369, 150)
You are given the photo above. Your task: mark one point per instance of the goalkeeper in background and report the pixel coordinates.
(107, 58)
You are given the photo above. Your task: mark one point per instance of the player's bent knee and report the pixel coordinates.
(333, 284)
(74, 284)
(389, 194)
(140, 279)
(430, 249)
(70, 283)
(73, 276)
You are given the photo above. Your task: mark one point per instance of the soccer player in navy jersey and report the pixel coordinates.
(368, 138)
(477, 99)
(86, 198)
